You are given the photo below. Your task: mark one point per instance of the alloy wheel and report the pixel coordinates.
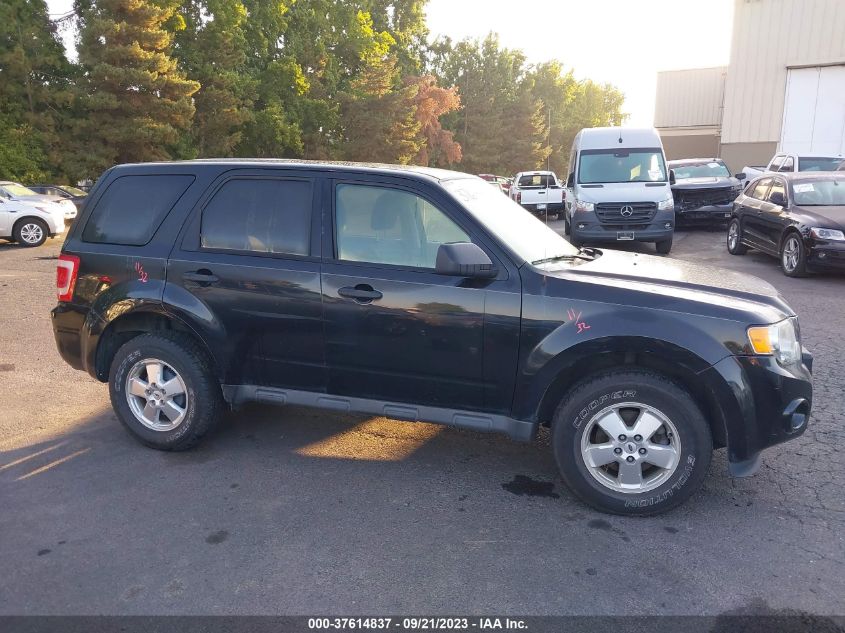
(791, 254)
(733, 235)
(31, 233)
(156, 394)
(631, 447)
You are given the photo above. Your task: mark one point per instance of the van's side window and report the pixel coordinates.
(259, 215)
(132, 208)
(390, 226)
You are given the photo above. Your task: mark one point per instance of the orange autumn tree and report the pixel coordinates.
(430, 102)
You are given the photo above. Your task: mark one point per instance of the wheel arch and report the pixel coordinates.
(680, 365)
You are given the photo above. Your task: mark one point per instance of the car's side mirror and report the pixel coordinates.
(464, 259)
(570, 180)
(778, 199)
(671, 176)
(740, 175)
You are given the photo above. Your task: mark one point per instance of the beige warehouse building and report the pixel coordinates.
(783, 90)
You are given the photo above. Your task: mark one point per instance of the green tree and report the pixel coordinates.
(34, 92)
(212, 50)
(137, 102)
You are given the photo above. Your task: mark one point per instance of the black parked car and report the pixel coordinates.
(799, 218)
(703, 190)
(420, 294)
(66, 192)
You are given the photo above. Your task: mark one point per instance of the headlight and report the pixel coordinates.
(828, 234)
(582, 205)
(780, 340)
(666, 205)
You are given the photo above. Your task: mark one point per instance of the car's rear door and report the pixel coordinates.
(395, 330)
(246, 273)
(753, 205)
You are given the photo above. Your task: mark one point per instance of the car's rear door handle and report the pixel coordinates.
(362, 293)
(201, 276)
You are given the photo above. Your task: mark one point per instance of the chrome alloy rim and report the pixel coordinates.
(156, 394)
(791, 253)
(733, 235)
(31, 233)
(631, 447)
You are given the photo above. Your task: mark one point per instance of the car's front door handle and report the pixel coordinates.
(201, 277)
(362, 293)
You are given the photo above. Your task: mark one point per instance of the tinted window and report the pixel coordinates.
(390, 226)
(777, 187)
(133, 207)
(759, 190)
(259, 215)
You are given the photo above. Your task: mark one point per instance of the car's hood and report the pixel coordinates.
(677, 279)
(825, 217)
(707, 182)
(39, 197)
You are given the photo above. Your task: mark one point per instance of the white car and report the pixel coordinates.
(30, 223)
(16, 191)
(792, 163)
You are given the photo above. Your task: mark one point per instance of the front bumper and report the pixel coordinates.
(825, 255)
(762, 404)
(706, 214)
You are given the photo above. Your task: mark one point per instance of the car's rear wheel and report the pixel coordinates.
(567, 229)
(164, 392)
(735, 245)
(793, 256)
(631, 442)
(31, 232)
(663, 247)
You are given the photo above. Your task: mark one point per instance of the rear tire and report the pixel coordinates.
(735, 245)
(663, 246)
(31, 232)
(142, 373)
(567, 229)
(645, 472)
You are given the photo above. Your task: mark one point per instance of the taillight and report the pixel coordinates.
(67, 270)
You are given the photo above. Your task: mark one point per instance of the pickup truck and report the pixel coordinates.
(420, 294)
(786, 162)
(539, 192)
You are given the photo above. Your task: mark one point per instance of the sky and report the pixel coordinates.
(622, 42)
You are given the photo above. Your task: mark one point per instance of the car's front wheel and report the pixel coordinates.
(31, 232)
(164, 392)
(793, 256)
(663, 247)
(631, 442)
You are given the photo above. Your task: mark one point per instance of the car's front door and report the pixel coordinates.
(250, 262)
(753, 205)
(395, 330)
(775, 216)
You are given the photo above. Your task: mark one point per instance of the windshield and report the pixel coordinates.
(621, 165)
(818, 193)
(73, 190)
(712, 169)
(14, 189)
(526, 236)
(821, 163)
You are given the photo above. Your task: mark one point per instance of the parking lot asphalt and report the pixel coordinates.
(294, 511)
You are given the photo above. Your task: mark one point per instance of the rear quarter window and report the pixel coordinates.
(133, 207)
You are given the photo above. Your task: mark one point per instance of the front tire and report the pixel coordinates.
(735, 245)
(793, 256)
(631, 442)
(663, 247)
(164, 392)
(31, 232)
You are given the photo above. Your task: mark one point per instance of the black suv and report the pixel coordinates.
(420, 294)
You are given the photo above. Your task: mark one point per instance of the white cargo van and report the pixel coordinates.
(618, 188)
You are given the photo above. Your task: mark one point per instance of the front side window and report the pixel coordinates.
(621, 165)
(390, 226)
(259, 215)
(132, 208)
(759, 190)
(777, 187)
(788, 164)
(777, 161)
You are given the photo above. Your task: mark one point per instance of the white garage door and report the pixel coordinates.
(814, 118)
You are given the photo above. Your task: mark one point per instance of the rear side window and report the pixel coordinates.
(257, 215)
(759, 190)
(132, 208)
